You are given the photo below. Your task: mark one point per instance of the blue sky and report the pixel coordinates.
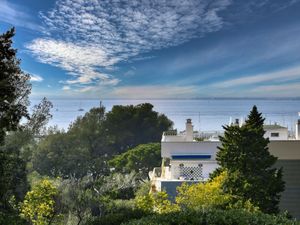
(157, 48)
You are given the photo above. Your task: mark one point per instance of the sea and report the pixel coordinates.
(206, 114)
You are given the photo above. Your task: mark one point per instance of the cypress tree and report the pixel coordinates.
(14, 86)
(14, 91)
(245, 155)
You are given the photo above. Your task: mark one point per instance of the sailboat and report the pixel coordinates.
(80, 109)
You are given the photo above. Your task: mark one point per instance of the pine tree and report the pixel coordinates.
(251, 174)
(14, 91)
(14, 86)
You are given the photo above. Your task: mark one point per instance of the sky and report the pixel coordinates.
(157, 48)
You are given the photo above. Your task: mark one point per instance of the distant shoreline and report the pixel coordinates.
(200, 98)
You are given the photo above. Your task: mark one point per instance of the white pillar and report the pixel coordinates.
(298, 130)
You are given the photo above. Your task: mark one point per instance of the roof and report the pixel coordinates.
(273, 127)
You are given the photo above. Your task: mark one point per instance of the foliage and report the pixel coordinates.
(93, 139)
(15, 88)
(77, 198)
(143, 189)
(14, 84)
(140, 159)
(39, 203)
(11, 218)
(213, 217)
(118, 186)
(129, 126)
(58, 155)
(156, 202)
(251, 173)
(13, 177)
(203, 195)
(40, 117)
(89, 132)
(120, 211)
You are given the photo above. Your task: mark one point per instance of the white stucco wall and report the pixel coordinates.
(283, 134)
(189, 148)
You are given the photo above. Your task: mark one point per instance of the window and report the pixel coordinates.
(274, 134)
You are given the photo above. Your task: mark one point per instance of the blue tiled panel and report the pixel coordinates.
(191, 156)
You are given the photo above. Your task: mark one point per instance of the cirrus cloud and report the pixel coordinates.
(86, 38)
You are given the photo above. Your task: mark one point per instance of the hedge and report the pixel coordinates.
(214, 217)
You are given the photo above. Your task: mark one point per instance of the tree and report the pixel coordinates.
(78, 197)
(39, 117)
(251, 173)
(59, 155)
(88, 131)
(15, 88)
(39, 203)
(92, 140)
(141, 159)
(129, 126)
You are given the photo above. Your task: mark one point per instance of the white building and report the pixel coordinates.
(186, 160)
(276, 132)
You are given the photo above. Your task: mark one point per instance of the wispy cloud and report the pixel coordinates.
(66, 88)
(16, 15)
(36, 78)
(154, 91)
(87, 37)
(279, 90)
(278, 76)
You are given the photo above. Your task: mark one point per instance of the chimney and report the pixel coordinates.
(237, 122)
(298, 130)
(189, 130)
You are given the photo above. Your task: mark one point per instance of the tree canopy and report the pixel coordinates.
(141, 159)
(15, 86)
(92, 140)
(251, 173)
(128, 126)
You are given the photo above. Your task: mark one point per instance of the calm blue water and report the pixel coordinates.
(206, 114)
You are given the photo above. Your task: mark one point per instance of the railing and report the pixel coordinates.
(156, 173)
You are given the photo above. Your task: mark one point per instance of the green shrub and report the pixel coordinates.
(117, 212)
(213, 217)
(11, 218)
(116, 218)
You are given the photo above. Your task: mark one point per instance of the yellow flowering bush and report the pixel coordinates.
(39, 205)
(203, 195)
(156, 202)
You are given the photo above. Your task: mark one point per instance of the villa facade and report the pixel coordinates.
(186, 160)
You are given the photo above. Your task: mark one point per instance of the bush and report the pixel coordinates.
(116, 218)
(156, 202)
(11, 218)
(213, 217)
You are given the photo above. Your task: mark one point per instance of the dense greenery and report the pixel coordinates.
(129, 126)
(39, 203)
(212, 217)
(202, 196)
(96, 137)
(140, 159)
(15, 88)
(251, 173)
(14, 84)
